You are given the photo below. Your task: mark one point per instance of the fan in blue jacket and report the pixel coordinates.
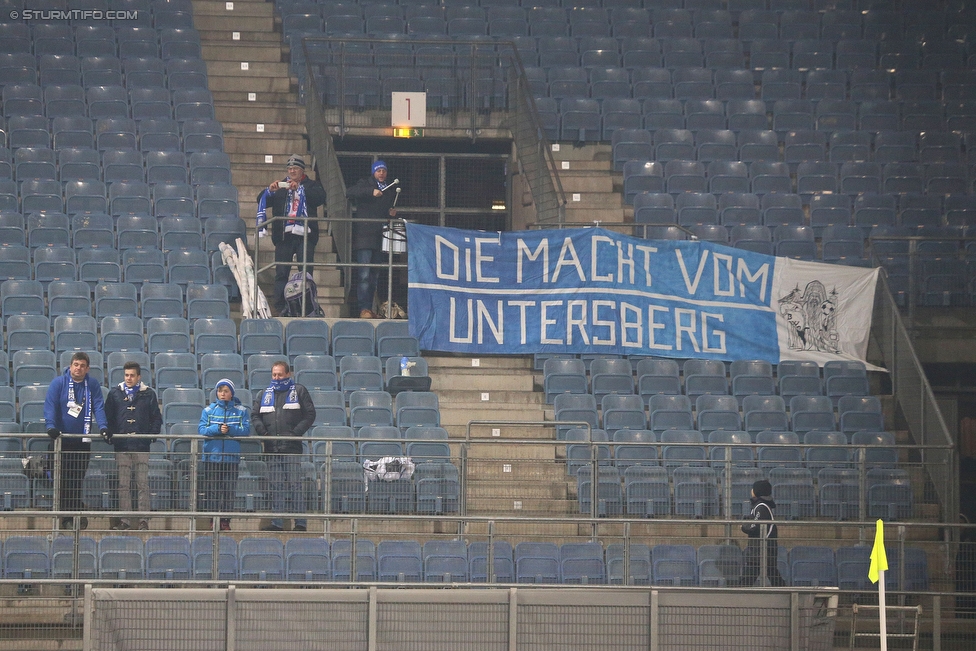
(221, 422)
(74, 405)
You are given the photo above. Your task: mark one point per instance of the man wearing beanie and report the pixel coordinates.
(761, 518)
(296, 197)
(221, 422)
(376, 206)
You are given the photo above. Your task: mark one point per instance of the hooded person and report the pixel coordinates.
(132, 408)
(761, 530)
(297, 198)
(374, 207)
(222, 422)
(73, 405)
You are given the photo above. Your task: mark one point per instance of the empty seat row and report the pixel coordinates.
(88, 164)
(722, 412)
(167, 40)
(118, 197)
(105, 68)
(770, 448)
(568, 376)
(145, 134)
(695, 492)
(100, 102)
(169, 558)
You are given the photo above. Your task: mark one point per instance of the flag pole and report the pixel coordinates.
(876, 571)
(883, 611)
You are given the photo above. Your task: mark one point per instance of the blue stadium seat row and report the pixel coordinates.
(688, 485)
(263, 559)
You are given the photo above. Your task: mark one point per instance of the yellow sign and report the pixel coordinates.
(408, 133)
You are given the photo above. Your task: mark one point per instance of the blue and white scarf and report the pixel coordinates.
(130, 392)
(262, 214)
(291, 400)
(295, 206)
(86, 404)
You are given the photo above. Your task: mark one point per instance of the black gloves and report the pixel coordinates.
(54, 433)
(106, 435)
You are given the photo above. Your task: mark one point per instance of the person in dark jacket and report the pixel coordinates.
(295, 197)
(73, 405)
(374, 204)
(284, 410)
(761, 526)
(132, 408)
(222, 421)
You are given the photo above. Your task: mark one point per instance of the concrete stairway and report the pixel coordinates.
(592, 188)
(256, 101)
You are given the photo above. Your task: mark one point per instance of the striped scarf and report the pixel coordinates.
(296, 199)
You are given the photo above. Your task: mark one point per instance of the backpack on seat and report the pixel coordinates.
(295, 288)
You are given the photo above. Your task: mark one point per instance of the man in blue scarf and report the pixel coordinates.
(285, 411)
(132, 408)
(374, 206)
(74, 406)
(296, 198)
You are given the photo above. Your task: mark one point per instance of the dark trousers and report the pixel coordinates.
(752, 561)
(290, 248)
(285, 478)
(74, 465)
(366, 278)
(218, 484)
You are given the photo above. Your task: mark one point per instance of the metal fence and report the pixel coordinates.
(518, 618)
(182, 610)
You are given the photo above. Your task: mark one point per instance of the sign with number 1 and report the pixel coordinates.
(409, 109)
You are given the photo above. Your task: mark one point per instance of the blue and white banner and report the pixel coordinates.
(590, 290)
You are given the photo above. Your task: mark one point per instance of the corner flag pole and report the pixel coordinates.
(879, 563)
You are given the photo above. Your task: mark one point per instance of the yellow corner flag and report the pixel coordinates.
(879, 560)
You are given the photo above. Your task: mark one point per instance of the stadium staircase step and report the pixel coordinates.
(587, 178)
(256, 101)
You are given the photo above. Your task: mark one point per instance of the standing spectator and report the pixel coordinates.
(373, 204)
(761, 526)
(296, 197)
(222, 421)
(284, 410)
(132, 408)
(74, 406)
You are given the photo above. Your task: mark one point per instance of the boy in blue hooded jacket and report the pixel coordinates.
(221, 422)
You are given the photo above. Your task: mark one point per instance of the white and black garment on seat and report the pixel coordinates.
(387, 469)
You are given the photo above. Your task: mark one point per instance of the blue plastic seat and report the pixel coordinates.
(161, 300)
(564, 376)
(684, 176)
(808, 147)
(717, 144)
(582, 563)
(758, 144)
(674, 565)
(793, 491)
(168, 334)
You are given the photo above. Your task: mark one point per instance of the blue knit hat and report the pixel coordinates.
(227, 383)
(378, 165)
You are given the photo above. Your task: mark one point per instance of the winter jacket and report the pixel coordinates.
(223, 448)
(56, 414)
(762, 511)
(138, 416)
(284, 422)
(278, 203)
(369, 234)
